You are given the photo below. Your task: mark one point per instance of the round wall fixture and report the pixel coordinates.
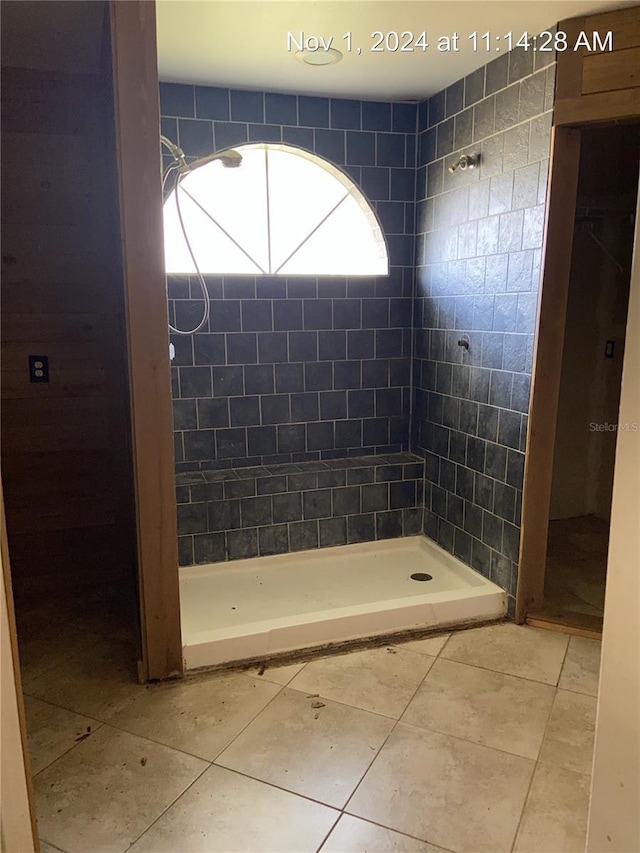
(421, 576)
(319, 57)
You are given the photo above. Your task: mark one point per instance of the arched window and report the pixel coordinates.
(283, 211)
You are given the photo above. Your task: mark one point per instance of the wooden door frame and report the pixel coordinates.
(547, 368)
(17, 814)
(137, 136)
(590, 89)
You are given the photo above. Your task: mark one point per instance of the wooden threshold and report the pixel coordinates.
(578, 624)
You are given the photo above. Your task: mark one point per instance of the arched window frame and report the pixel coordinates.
(375, 264)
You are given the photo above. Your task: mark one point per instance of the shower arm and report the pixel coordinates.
(229, 157)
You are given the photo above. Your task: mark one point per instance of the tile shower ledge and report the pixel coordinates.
(222, 475)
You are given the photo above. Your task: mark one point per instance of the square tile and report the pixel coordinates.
(319, 752)
(351, 834)
(568, 741)
(428, 646)
(199, 715)
(96, 683)
(581, 669)
(513, 649)
(378, 680)
(485, 707)
(555, 816)
(446, 791)
(226, 811)
(103, 794)
(52, 731)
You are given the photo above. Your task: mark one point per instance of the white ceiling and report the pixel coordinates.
(243, 43)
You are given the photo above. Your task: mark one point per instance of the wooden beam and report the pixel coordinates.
(598, 107)
(536, 497)
(19, 829)
(137, 119)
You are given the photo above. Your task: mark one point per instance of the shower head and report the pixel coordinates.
(229, 157)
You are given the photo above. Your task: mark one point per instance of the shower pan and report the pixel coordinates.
(269, 606)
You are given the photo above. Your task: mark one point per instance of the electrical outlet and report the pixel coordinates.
(38, 368)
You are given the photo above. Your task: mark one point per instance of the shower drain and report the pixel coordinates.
(421, 576)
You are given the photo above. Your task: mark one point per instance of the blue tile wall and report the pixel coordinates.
(297, 369)
(478, 254)
(292, 370)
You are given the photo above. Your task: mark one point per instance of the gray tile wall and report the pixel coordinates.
(478, 255)
(294, 369)
(233, 514)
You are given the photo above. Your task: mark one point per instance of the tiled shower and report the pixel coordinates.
(324, 411)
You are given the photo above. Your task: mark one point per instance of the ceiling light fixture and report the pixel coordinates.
(319, 57)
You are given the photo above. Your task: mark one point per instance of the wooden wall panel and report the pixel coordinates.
(599, 86)
(66, 449)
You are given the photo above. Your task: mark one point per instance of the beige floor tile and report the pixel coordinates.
(97, 682)
(48, 848)
(197, 715)
(320, 753)
(224, 811)
(514, 649)
(52, 731)
(105, 792)
(429, 646)
(352, 835)
(568, 741)
(555, 816)
(581, 668)
(451, 793)
(378, 680)
(277, 674)
(486, 707)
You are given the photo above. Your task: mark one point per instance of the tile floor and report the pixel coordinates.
(476, 741)
(576, 571)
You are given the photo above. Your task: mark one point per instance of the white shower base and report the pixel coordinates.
(270, 605)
